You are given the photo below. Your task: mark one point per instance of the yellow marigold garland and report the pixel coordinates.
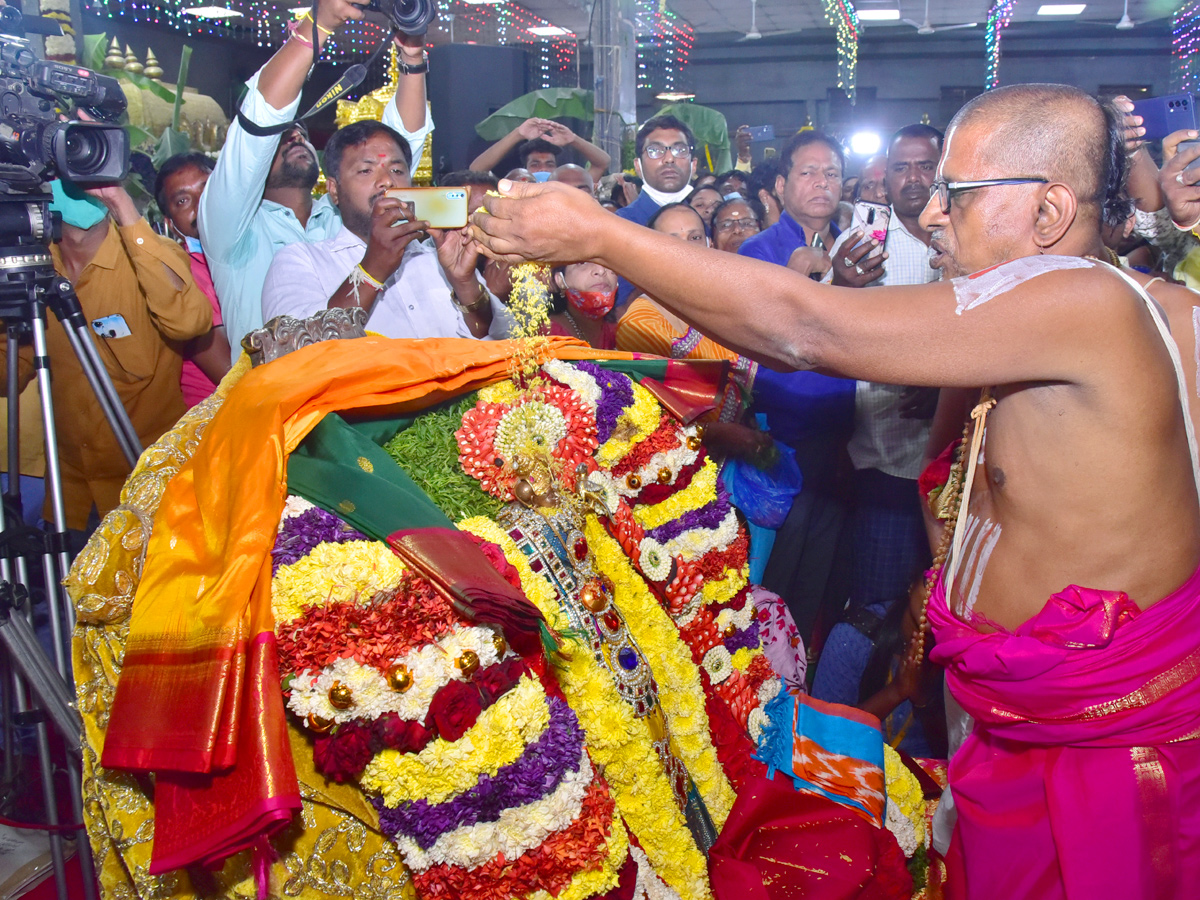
(596, 881)
(617, 741)
(680, 691)
(634, 425)
(904, 793)
(701, 491)
(722, 590)
(446, 768)
(332, 573)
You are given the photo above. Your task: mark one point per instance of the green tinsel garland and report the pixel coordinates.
(428, 452)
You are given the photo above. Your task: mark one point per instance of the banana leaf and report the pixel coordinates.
(711, 131)
(170, 143)
(185, 59)
(549, 103)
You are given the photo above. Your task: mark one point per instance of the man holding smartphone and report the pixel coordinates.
(377, 260)
(891, 422)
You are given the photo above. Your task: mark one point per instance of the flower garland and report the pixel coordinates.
(680, 691)
(695, 542)
(446, 768)
(616, 393)
(576, 379)
(595, 842)
(662, 468)
(700, 492)
(516, 830)
(374, 634)
(331, 573)
(723, 590)
(539, 768)
(635, 423)
(301, 532)
(552, 421)
(429, 667)
(906, 803)
(618, 742)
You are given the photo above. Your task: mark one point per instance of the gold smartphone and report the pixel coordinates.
(441, 207)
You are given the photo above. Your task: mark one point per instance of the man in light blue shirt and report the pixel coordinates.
(259, 197)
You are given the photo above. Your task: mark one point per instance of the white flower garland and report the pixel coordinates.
(648, 885)
(293, 507)
(696, 542)
(676, 460)
(741, 619)
(718, 663)
(518, 830)
(532, 426)
(431, 667)
(577, 380)
(654, 560)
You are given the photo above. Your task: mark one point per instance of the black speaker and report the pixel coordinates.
(466, 84)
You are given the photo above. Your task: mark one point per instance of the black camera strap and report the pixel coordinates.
(354, 76)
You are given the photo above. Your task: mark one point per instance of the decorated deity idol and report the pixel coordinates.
(472, 633)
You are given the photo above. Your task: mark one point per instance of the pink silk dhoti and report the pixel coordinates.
(1081, 779)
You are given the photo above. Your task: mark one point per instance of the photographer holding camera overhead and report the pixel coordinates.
(259, 197)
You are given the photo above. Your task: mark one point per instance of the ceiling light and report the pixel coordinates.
(865, 143)
(212, 12)
(299, 10)
(879, 15)
(484, 2)
(674, 96)
(1061, 9)
(547, 30)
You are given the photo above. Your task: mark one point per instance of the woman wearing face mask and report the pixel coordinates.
(584, 294)
(647, 327)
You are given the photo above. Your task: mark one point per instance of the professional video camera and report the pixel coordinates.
(35, 146)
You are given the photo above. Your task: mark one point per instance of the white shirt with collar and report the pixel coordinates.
(883, 439)
(241, 231)
(415, 301)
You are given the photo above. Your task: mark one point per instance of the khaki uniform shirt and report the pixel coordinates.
(125, 278)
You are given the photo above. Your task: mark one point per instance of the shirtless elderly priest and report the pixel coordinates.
(1068, 613)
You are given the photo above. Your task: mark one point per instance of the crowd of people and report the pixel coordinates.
(1089, 467)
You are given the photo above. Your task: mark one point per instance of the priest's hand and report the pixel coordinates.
(1181, 187)
(550, 222)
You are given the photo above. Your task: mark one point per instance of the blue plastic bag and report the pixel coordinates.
(764, 495)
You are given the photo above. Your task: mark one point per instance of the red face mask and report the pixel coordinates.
(593, 304)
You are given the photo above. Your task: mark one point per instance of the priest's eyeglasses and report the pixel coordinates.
(945, 191)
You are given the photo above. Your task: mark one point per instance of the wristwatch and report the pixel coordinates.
(419, 69)
(476, 304)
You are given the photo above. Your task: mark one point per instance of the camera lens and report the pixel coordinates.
(86, 150)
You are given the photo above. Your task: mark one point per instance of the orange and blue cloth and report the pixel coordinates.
(828, 749)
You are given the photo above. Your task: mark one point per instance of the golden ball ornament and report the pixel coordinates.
(340, 696)
(399, 679)
(467, 663)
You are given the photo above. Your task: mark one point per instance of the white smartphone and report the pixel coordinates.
(872, 220)
(441, 207)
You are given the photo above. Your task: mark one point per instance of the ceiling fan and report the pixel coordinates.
(1126, 23)
(925, 27)
(754, 34)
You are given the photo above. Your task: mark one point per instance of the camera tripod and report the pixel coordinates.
(37, 688)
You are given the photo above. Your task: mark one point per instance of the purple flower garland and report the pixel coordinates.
(300, 534)
(747, 639)
(616, 393)
(711, 515)
(534, 775)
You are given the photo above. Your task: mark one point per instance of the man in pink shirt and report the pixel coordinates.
(180, 182)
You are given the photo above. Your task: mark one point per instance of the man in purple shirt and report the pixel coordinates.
(811, 413)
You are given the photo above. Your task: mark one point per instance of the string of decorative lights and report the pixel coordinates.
(664, 41)
(1185, 42)
(264, 22)
(844, 18)
(998, 18)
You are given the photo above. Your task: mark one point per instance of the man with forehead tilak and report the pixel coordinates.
(1066, 614)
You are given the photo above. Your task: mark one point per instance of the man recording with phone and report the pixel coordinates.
(376, 260)
(259, 197)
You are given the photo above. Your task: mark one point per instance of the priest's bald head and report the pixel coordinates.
(1052, 163)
